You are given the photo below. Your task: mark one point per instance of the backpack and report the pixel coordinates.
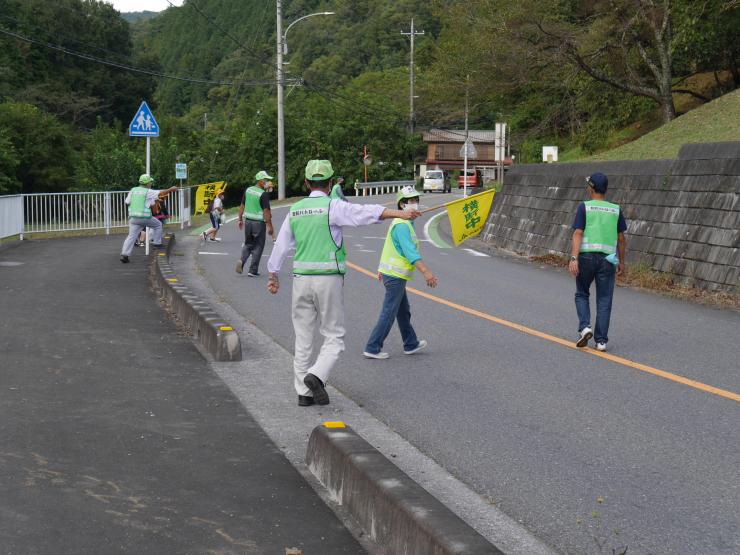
(209, 207)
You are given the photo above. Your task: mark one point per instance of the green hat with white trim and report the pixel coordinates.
(262, 175)
(146, 179)
(407, 192)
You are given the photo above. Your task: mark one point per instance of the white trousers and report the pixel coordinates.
(318, 304)
(136, 226)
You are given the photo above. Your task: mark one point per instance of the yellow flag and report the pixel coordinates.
(204, 194)
(468, 215)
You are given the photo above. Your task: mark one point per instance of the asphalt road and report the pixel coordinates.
(591, 453)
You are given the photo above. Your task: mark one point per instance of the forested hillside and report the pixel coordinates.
(584, 76)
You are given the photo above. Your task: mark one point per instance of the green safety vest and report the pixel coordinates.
(252, 206)
(138, 207)
(316, 253)
(600, 234)
(392, 262)
(337, 193)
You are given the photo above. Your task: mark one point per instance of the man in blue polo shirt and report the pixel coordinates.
(597, 254)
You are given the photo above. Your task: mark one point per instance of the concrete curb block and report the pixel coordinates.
(206, 325)
(397, 513)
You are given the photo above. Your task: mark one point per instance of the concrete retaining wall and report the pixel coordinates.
(397, 513)
(683, 215)
(208, 327)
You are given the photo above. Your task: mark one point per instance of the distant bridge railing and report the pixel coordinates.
(61, 212)
(380, 187)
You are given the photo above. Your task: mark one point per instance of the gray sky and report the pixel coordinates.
(141, 5)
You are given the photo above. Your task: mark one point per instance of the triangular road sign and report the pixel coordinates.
(143, 124)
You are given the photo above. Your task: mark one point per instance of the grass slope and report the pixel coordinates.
(715, 121)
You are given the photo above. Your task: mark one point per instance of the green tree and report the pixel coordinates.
(9, 184)
(108, 161)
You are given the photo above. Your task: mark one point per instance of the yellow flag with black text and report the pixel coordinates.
(204, 194)
(468, 215)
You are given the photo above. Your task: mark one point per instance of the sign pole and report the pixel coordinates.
(148, 155)
(181, 198)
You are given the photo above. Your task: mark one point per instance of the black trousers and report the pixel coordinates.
(254, 243)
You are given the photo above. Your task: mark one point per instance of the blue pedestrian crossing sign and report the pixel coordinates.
(143, 124)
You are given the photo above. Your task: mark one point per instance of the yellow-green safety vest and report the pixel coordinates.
(316, 253)
(138, 208)
(252, 206)
(392, 262)
(600, 234)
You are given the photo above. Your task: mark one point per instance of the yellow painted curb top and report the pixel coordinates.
(334, 425)
(162, 254)
(226, 328)
(172, 280)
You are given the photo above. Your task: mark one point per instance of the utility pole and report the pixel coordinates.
(412, 112)
(465, 145)
(205, 121)
(280, 103)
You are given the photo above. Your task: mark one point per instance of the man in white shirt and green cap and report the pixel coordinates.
(255, 217)
(140, 200)
(313, 227)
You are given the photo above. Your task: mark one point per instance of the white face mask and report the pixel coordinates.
(411, 206)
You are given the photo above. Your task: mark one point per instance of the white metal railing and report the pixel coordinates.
(11, 216)
(58, 212)
(380, 187)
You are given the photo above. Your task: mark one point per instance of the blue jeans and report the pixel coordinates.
(593, 266)
(395, 307)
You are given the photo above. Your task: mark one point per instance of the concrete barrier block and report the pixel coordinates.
(397, 513)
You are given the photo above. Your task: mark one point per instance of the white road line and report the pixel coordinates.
(476, 253)
(231, 219)
(218, 253)
(364, 250)
(426, 228)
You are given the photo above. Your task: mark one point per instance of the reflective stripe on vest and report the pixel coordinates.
(392, 262)
(316, 253)
(252, 206)
(600, 234)
(138, 207)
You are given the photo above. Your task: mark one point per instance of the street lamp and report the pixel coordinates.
(282, 49)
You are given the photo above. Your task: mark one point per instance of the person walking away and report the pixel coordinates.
(399, 259)
(255, 217)
(216, 212)
(598, 247)
(140, 200)
(336, 190)
(313, 227)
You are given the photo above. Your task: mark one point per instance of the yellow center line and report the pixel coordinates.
(565, 343)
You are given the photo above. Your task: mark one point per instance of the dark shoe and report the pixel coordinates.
(253, 274)
(239, 267)
(305, 401)
(124, 259)
(157, 245)
(320, 396)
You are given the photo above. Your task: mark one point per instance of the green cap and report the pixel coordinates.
(406, 192)
(318, 170)
(262, 175)
(146, 179)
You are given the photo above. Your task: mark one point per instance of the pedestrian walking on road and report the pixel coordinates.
(140, 200)
(597, 254)
(313, 227)
(399, 259)
(216, 213)
(336, 190)
(255, 209)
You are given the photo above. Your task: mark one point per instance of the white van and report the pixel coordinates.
(434, 180)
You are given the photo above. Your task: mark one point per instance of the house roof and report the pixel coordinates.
(458, 136)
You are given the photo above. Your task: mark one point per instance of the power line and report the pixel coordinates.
(126, 67)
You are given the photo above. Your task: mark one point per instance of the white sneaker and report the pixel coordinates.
(601, 347)
(379, 356)
(419, 347)
(586, 334)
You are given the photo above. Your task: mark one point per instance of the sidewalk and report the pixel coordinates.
(115, 434)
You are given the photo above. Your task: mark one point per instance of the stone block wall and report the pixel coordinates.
(683, 215)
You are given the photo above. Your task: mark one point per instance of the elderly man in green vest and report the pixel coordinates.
(597, 254)
(313, 227)
(398, 261)
(255, 217)
(140, 200)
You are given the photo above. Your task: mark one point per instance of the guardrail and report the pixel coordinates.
(11, 216)
(60, 212)
(380, 187)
